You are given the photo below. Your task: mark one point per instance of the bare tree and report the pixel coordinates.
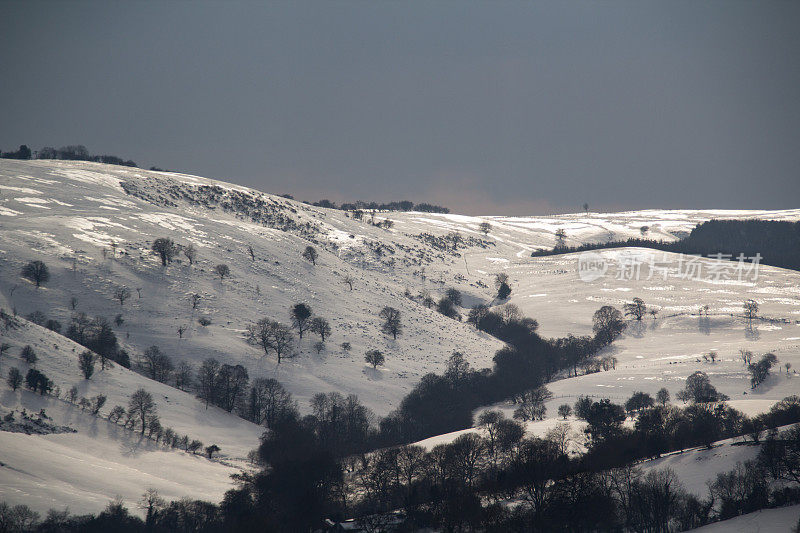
(181, 330)
(122, 294)
(165, 249)
(190, 252)
(271, 336)
(37, 272)
(532, 406)
(485, 228)
(349, 280)
(156, 363)
(391, 321)
(141, 406)
(207, 380)
(14, 378)
(750, 309)
(116, 413)
(183, 375)
(28, 355)
(251, 252)
(195, 299)
(321, 327)
(151, 502)
(561, 239)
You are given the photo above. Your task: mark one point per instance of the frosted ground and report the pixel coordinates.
(93, 225)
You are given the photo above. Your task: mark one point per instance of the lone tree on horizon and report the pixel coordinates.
(37, 272)
(166, 249)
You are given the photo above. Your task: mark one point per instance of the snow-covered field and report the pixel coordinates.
(93, 225)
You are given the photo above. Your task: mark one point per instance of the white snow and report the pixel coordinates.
(71, 234)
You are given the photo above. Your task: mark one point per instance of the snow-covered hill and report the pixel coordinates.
(93, 225)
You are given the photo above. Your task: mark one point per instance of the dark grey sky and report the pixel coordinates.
(492, 108)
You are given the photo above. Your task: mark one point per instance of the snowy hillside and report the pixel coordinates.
(93, 225)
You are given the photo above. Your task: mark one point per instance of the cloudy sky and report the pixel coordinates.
(487, 107)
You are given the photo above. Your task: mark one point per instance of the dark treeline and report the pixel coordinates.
(466, 485)
(444, 403)
(75, 152)
(778, 242)
(402, 205)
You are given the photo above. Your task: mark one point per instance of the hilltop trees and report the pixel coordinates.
(165, 249)
(485, 228)
(391, 321)
(36, 272)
